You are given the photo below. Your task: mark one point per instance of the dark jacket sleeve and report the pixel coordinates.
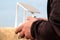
(48, 30)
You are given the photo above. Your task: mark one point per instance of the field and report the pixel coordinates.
(8, 34)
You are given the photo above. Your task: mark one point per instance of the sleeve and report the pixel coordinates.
(48, 30)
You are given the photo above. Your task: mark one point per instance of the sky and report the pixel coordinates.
(8, 11)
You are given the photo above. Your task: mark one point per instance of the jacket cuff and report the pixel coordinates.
(34, 28)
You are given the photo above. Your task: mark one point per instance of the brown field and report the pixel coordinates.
(8, 34)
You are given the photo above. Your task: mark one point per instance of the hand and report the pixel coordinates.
(25, 28)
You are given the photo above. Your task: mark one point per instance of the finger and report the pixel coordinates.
(27, 39)
(21, 35)
(19, 29)
(30, 39)
(27, 35)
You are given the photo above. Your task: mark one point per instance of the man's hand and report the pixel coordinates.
(25, 28)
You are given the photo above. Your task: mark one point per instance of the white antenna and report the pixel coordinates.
(26, 8)
(16, 17)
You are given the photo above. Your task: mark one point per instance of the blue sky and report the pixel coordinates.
(8, 10)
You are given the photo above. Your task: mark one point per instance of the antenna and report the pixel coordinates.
(26, 8)
(16, 16)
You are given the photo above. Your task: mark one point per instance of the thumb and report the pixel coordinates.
(19, 28)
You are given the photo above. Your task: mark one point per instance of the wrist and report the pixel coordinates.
(34, 28)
